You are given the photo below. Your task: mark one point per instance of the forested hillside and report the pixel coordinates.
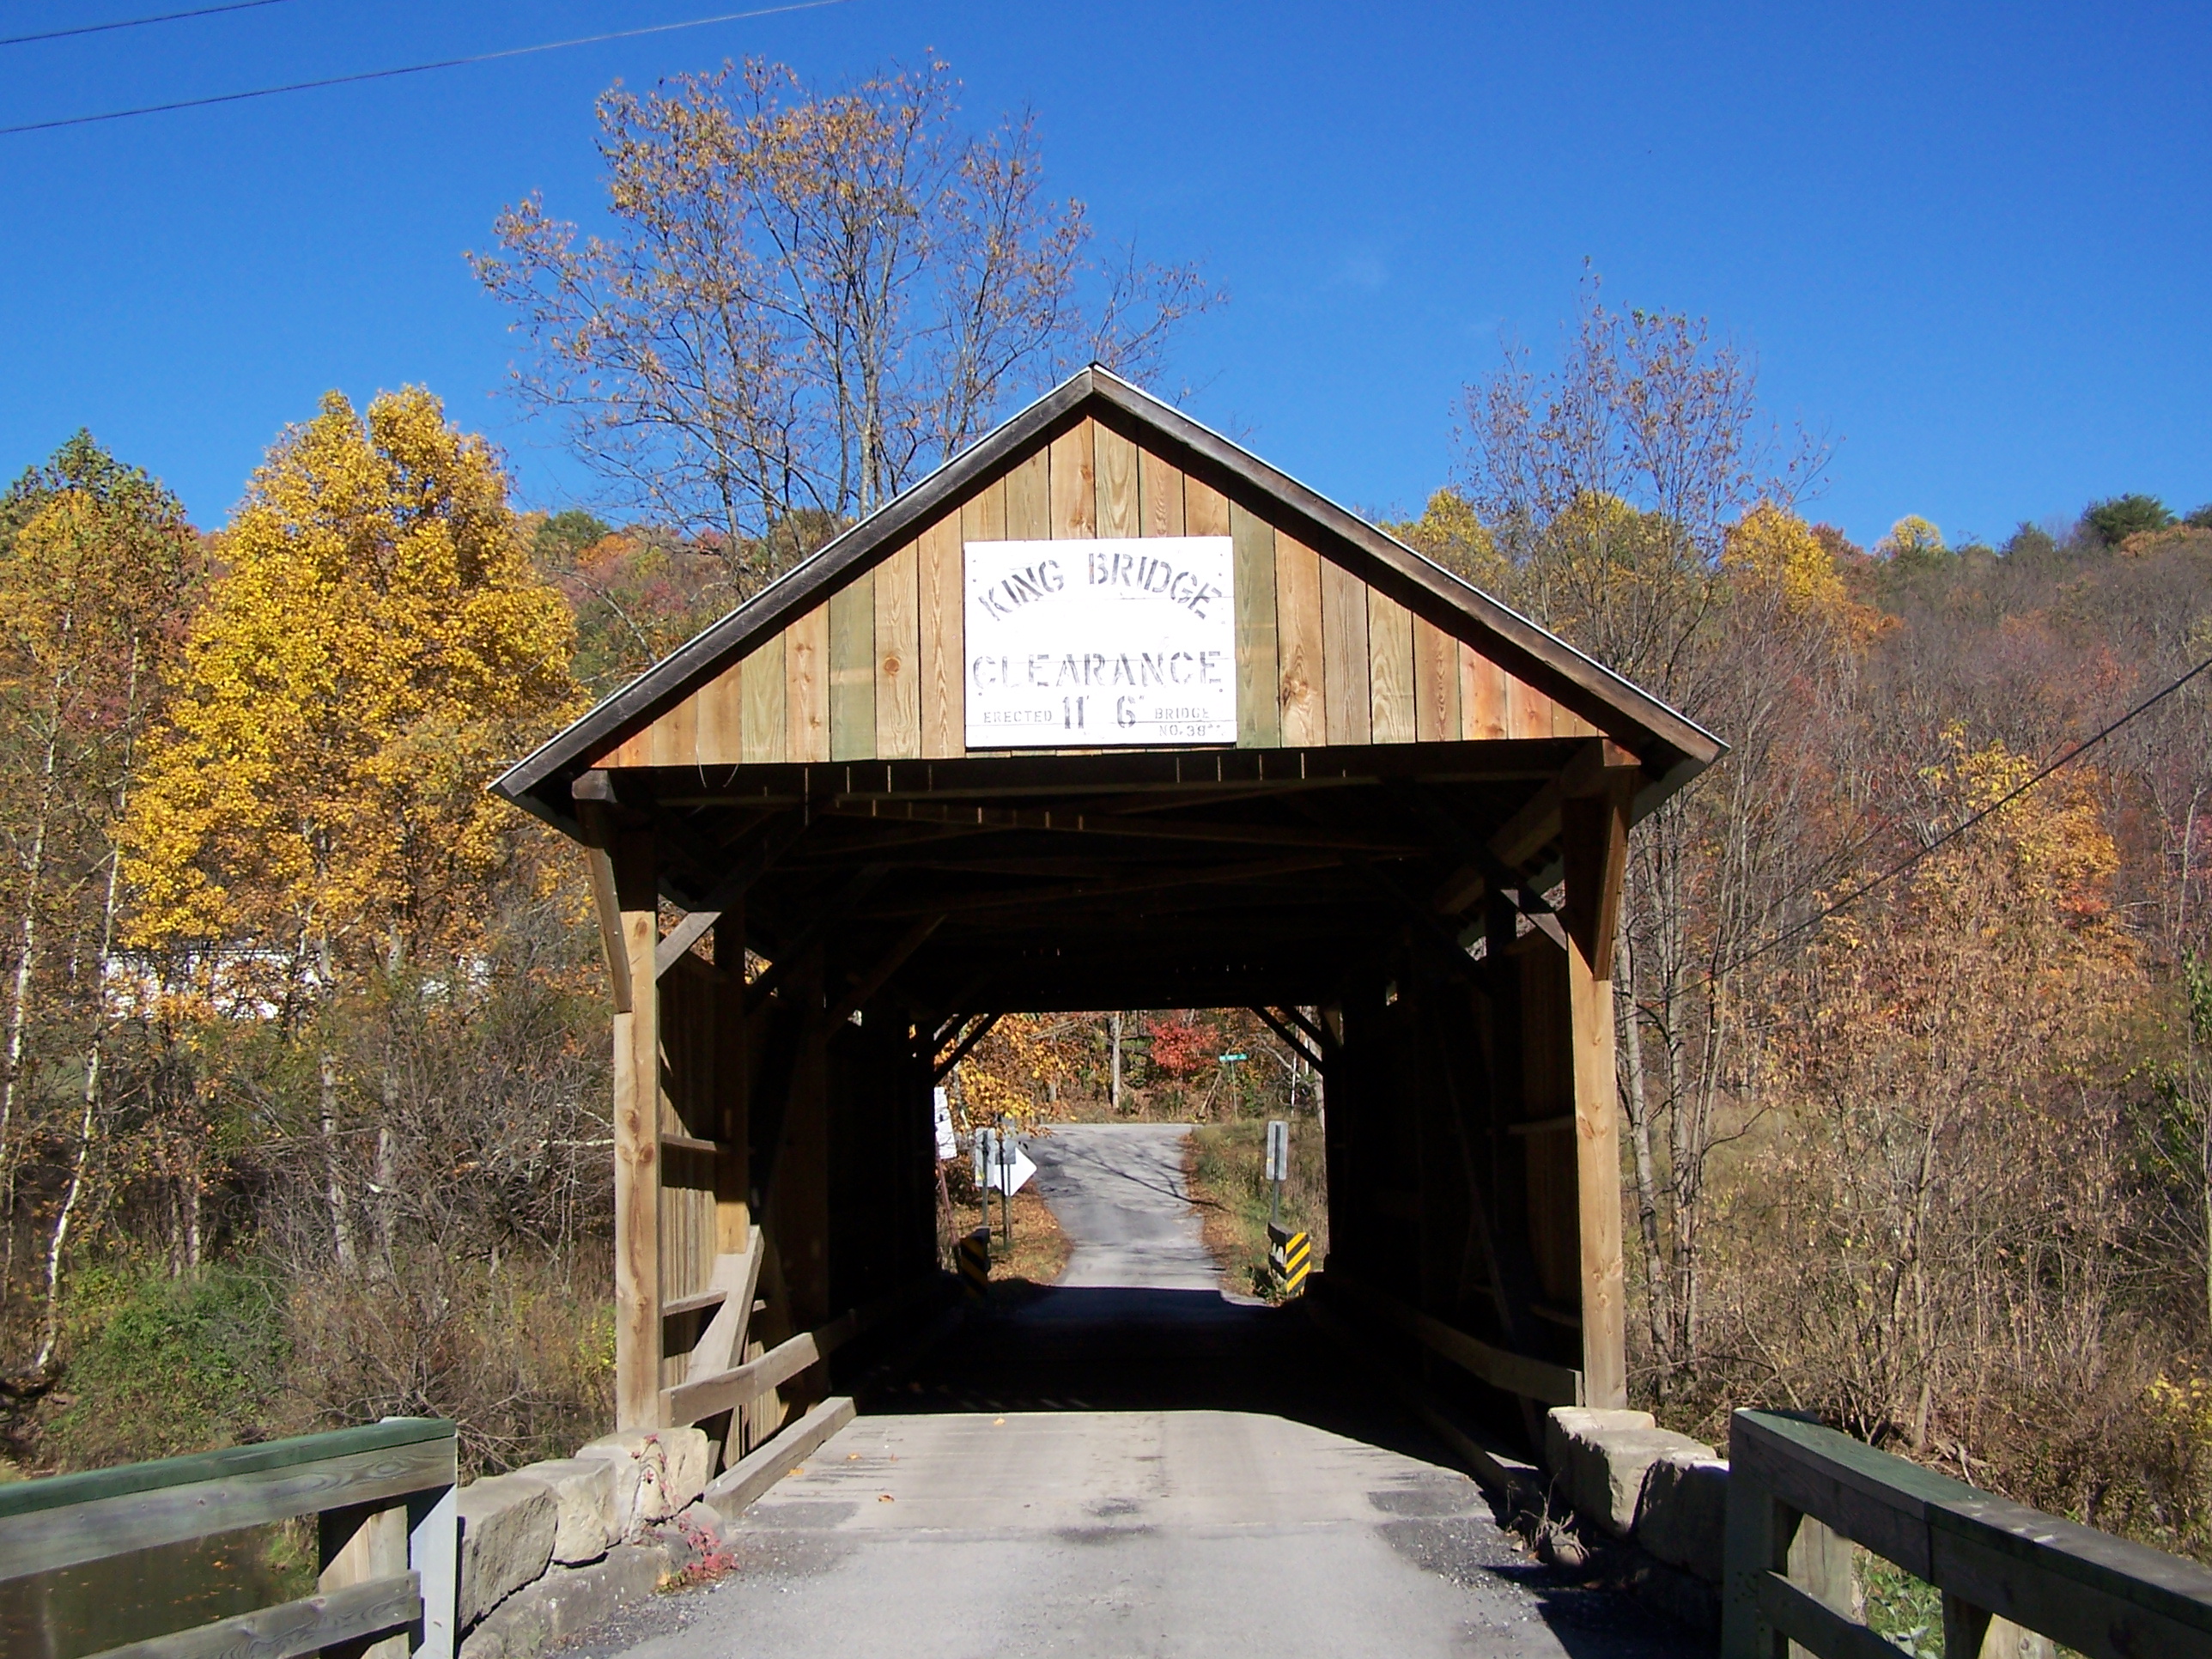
(1917, 1101)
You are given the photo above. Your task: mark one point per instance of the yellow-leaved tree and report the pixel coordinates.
(378, 646)
(313, 822)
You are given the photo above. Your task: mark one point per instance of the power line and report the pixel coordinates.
(1961, 827)
(411, 69)
(136, 22)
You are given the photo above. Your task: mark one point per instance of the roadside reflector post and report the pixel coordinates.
(1289, 1254)
(975, 1256)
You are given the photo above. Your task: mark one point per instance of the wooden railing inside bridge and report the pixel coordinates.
(384, 1496)
(1800, 1495)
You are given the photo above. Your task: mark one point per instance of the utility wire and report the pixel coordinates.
(412, 69)
(136, 22)
(1961, 827)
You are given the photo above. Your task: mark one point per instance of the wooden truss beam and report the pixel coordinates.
(728, 891)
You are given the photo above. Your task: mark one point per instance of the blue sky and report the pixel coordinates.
(1969, 243)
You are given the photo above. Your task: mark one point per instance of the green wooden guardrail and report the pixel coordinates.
(383, 1496)
(1796, 1491)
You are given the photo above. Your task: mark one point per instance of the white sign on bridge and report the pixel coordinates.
(1083, 644)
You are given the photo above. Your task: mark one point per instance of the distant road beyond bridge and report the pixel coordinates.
(1131, 1464)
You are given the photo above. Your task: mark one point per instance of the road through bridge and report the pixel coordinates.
(1132, 1463)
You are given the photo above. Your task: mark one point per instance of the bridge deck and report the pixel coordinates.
(1132, 1464)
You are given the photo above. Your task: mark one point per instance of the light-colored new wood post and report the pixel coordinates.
(637, 1142)
(1971, 1633)
(1821, 1564)
(358, 1544)
(1594, 832)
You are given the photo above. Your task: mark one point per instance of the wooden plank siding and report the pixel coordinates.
(1120, 508)
(1436, 683)
(1344, 663)
(806, 686)
(876, 672)
(764, 699)
(897, 665)
(721, 725)
(1389, 669)
(1259, 714)
(944, 625)
(1159, 487)
(1074, 485)
(853, 669)
(1298, 644)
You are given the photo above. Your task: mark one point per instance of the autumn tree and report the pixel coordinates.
(1018, 1073)
(810, 297)
(1948, 1190)
(1638, 503)
(313, 820)
(95, 559)
(377, 648)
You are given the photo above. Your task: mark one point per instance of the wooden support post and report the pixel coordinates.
(733, 1215)
(357, 1544)
(1594, 833)
(1820, 1566)
(593, 794)
(637, 1144)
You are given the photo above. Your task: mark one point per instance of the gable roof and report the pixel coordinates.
(1672, 747)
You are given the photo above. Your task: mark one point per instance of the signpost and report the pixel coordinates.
(1278, 1166)
(1001, 1167)
(948, 1143)
(1095, 643)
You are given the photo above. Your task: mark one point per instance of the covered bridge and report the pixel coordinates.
(1107, 712)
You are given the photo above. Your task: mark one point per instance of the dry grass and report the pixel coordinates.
(1223, 1172)
(1038, 1254)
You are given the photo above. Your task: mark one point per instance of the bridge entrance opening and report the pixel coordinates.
(1362, 799)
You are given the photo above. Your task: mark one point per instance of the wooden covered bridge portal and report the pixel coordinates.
(946, 769)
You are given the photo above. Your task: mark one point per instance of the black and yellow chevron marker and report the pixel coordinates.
(975, 1254)
(1291, 1254)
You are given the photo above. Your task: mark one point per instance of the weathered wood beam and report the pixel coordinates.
(976, 1033)
(121, 1513)
(1192, 773)
(693, 1400)
(1600, 767)
(1061, 821)
(593, 818)
(637, 1143)
(826, 919)
(612, 944)
(1208, 875)
(332, 1621)
(1595, 833)
(779, 839)
(1296, 1043)
(1595, 840)
(857, 994)
(1533, 1379)
(1318, 1032)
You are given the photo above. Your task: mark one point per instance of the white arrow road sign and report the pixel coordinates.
(1001, 1167)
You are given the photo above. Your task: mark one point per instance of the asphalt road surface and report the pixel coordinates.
(1130, 1464)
